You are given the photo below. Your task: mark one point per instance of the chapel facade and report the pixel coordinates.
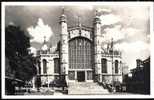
(79, 56)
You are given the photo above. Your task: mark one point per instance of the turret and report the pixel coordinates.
(97, 46)
(64, 45)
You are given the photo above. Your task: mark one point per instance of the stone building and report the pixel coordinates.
(139, 79)
(79, 56)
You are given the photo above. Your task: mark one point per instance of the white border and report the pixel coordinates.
(3, 50)
(150, 4)
(152, 48)
(76, 3)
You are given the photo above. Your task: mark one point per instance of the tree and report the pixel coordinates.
(16, 50)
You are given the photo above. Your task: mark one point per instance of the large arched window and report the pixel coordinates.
(44, 66)
(104, 65)
(80, 53)
(116, 66)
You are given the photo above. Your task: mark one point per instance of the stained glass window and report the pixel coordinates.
(80, 53)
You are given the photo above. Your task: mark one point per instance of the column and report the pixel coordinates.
(85, 75)
(76, 76)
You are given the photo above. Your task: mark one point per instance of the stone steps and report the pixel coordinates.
(86, 88)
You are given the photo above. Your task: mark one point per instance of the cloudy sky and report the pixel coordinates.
(129, 26)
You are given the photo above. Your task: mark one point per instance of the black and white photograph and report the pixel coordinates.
(77, 49)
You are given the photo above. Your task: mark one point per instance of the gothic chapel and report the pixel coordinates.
(79, 56)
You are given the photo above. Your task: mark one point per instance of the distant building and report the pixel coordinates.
(139, 82)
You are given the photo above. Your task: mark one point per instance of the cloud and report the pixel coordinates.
(133, 46)
(109, 19)
(114, 33)
(104, 10)
(39, 31)
(119, 33)
(130, 26)
(132, 51)
(130, 31)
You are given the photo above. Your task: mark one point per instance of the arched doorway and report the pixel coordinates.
(80, 59)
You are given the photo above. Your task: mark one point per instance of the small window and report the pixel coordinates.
(116, 66)
(56, 65)
(104, 66)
